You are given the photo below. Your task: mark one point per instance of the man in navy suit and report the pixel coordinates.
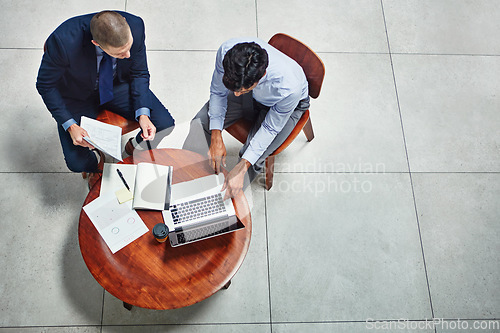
(98, 61)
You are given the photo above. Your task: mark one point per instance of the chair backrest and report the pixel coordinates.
(309, 61)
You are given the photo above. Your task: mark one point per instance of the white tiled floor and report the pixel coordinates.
(391, 213)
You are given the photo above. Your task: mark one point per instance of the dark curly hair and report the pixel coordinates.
(244, 65)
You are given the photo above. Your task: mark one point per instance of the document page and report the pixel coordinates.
(151, 185)
(117, 223)
(104, 137)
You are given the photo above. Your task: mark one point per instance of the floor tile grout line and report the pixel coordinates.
(380, 320)
(256, 19)
(141, 325)
(445, 54)
(455, 172)
(188, 324)
(102, 308)
(39, 172)
(268, 265)
(249, 323)
(409, 166)
(50, 326)
(22, 48)
(318, 52)
(181, 50)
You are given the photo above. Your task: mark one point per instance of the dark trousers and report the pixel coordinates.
(81, 159)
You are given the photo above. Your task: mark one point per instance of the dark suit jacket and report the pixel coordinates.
(69, 66)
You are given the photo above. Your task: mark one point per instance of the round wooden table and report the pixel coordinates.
(155, 275)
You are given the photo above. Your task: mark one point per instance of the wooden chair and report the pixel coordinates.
(314, 70)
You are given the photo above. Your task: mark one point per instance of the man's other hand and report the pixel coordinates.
(233, 184)
(147, 127)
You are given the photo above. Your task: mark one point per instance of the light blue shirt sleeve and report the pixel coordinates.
(273, 123)
(142, 111)
(218, 94)
(68, 123)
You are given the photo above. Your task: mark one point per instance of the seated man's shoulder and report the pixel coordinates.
(75, 22)
(67, 38)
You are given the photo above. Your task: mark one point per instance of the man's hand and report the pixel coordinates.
(217, 151)
(77, 133)
(233, 184)
(148, 129)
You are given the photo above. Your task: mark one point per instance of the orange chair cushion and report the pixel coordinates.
(111, 118)
(240, 129)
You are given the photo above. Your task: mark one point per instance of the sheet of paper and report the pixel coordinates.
(104, 137)
(117, 223)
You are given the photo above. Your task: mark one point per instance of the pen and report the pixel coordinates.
(123, 179)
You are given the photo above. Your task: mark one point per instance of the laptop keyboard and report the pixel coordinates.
(199, 233)
(199, 208)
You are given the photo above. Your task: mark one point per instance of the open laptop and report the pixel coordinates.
(198, 211)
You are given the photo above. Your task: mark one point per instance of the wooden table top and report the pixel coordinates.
(155, 275)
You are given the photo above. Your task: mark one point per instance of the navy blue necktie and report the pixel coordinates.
(106, 79)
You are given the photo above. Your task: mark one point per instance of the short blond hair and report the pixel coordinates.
(109, 28)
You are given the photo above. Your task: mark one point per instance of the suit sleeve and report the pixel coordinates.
(54, 64)
(139, 73)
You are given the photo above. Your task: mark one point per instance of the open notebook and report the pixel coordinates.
(149, 183)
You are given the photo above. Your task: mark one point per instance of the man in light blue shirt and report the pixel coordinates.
(251, 80)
